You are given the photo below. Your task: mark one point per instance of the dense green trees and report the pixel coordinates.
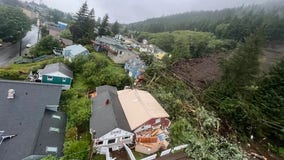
(251, 104)
(187, 44)
(14, 24)
(44, 31)
(203, 146)
(49, 157)
(115, 28)
(236, 85)
(83, 29)
(45, 46)
(66, 34)
(104, 28)
(269, 98)
(99, 70)
(14, 3)
(76, 150)
(236, 23)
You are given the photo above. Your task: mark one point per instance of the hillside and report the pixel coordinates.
(233, 23)
(202, 71)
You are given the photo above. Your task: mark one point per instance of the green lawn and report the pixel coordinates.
(21, 71)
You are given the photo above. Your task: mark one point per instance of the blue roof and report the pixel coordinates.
(135, 66)
(62, 23)
(74, 50)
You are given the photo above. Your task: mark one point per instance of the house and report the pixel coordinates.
(71, 52)
(119, 115)
(142, 110)
(108, 124)
(30, 125)
(135, 67)
(159, 54)
(57, 73)
(146, 118)
(65, 42)
(62, 25)
(115, 50)
(111, 45)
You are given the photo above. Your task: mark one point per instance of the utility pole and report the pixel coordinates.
(20, 47)
(38, 25)
(21, 32)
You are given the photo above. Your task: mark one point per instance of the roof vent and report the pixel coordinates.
(11, 94)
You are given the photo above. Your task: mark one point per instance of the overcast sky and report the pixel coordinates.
(126, 11)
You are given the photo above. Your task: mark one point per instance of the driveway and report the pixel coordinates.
(9, 52)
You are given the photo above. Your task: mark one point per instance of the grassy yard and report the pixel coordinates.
(21, 71)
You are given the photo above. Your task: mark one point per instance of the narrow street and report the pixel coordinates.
(12, 51)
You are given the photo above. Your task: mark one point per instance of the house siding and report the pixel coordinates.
(56, 80)
(164, 122)
(118, 135)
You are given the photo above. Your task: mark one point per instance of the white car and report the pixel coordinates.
(29, 45)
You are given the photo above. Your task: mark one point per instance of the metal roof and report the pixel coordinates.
(140, 106)
(23, 115)
(57, 67)
(107, 113)
(74, 50)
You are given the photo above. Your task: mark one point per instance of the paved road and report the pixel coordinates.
(12, 51)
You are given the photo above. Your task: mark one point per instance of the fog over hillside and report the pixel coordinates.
(128, 11)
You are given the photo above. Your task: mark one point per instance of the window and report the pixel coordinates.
(56, 116)
(100, 142)
(52, 129)
(49, 78)
(51, 149)
(126, 137)
(63, 79)
(111, 141)
(158, 120)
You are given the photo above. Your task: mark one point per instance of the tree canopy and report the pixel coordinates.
(187, 44)
(235, 23)
(14, 24)
(45, 46)
(83, 29)
(104, 28)
(115, 28)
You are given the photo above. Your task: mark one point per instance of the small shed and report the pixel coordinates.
(57, 73)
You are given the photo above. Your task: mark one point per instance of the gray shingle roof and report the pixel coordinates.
(23, 115)
(110, 41)
(57, 67)
(51, 138)
(107, 113)
(106, 88)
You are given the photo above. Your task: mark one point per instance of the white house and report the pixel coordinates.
(108, 124)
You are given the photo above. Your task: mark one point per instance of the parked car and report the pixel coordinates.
(0, 44)
(29, 45)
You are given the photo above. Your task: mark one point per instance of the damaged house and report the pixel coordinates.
(119, 115)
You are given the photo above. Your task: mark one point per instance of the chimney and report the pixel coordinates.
(11, 94)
